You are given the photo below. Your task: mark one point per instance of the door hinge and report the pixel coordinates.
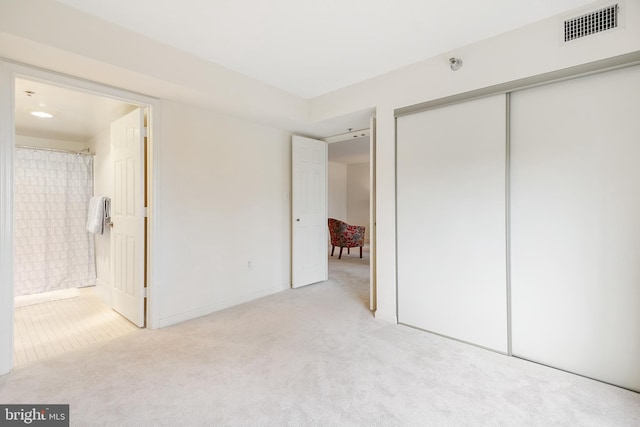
(145, 212)
(145, 293)
(145, 132)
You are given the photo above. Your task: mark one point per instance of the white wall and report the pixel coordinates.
(103, 186)
(358, 195)
(224, 212)
(337, 191)
(349, 193)
(58, 144)
(528, 51)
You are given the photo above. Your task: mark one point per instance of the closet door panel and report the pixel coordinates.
(451, 221)
(575, 225)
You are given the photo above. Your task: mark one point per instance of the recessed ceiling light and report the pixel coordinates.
(41, 114)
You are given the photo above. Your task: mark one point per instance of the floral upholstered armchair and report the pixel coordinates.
(344, 235)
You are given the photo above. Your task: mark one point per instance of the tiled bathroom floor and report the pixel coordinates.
(49, 328)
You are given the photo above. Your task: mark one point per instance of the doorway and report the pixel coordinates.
(62, 272)
(316, 178)
(350, 199)
(12, 76)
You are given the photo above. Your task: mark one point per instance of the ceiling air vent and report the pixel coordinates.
(591, 23)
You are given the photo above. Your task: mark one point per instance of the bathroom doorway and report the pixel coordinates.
(62, 272)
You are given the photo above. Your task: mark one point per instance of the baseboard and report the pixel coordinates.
(212, 308)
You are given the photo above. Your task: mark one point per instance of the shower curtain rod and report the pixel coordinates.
(85, 152)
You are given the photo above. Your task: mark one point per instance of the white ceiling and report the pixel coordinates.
(311, 47)
(351, 151)
(78, 115)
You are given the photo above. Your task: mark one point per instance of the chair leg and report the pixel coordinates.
(333, 248)
(340, 256)
(360, 251)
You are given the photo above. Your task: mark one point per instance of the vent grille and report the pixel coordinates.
(591, 23)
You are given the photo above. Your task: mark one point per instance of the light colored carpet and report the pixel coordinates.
(310, 356)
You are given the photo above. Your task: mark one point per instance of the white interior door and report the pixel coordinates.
(451, 178)
(575, 225)
(309, 262)
(127, 216)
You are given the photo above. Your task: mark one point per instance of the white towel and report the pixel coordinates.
(99, 214)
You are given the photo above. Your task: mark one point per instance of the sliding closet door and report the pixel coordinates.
(575, 225)
(451, 221)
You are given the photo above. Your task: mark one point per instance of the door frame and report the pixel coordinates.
(373, 297)
(9, 71)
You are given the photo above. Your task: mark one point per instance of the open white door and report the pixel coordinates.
(127, 216)
(309, 263)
